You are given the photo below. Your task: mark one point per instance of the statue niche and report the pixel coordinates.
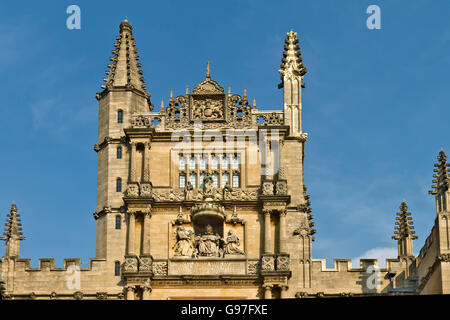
(207, 240)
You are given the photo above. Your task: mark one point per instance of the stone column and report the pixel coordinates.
(283, 292)
(146, 174)
(267, 233)
(130, 292)
(131, 234)
(282, 244)
(267, 292)
(133, 162)
(146, 234)
(147, 290)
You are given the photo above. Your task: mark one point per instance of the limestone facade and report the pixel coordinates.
(205, 199)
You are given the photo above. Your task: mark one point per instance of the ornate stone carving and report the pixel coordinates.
(102, 295)
(168, 195)
(267, 188)
(130, 264)
(253, 267)
(281, 188)
(207, 109)
(444, 257)
(132, 191)
(53, 295)
(207, 244)
(268, 263)
(146, 190)
(145, 264)
(78, 295)
(301, 294)
(184, 242)
(160, 268)
(140, 121)
(232, 244)
(283, 263)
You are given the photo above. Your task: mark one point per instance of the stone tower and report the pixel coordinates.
(123, 95)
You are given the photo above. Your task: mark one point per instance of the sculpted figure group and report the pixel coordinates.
(208, 244)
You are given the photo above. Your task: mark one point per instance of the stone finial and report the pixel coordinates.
(404, 231)
(125, 26)
(292, 66)
(208, 71)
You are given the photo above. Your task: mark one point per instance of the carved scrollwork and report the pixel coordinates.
(160, 268)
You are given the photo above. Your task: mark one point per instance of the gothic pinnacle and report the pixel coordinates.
(404, 231)
(124, 70)
(292, 65)
(442, 175)
(13, 228)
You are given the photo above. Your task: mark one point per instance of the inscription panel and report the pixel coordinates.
(207, 267)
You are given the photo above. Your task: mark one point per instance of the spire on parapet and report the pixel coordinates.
(404, 231)
(124, 70)
(442, 175)
(13, 232)
(292, 65)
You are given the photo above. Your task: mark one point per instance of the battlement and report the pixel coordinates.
(346, 265)
(49, 264)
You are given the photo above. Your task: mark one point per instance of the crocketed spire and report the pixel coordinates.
(13, 232)
(292, 65)
(404, 231)
(442, 174)
(124, 70)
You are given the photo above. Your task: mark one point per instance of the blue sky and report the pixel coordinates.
(375, 106)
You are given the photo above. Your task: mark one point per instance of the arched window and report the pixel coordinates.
(182, 163)
(215, 179)
(193, 179)
(225, 179)
(120, 116)
(236, 162)
(119, 185)
(118, 222)
(215, 163)
(119, 153)
(192, 163)
(117, 268)
(203, 163)
(182, 182)
(236, 183)
(225, 163)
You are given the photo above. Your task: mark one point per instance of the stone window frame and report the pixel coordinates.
(120, 114)
(188, 171)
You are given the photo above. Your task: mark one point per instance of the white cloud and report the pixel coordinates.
(376, 253)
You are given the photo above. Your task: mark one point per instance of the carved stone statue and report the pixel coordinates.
(208, 243)
(208, 189)
(184, 246)
(232, 243)
(188, 191)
